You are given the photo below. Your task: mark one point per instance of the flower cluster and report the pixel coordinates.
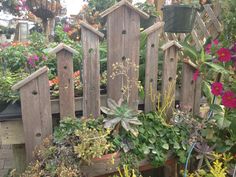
(222, 54)
(34, 59)
(76, 77)
(228, 97)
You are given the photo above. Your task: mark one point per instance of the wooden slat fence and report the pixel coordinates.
(123, 33)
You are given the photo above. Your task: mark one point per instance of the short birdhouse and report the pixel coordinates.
(35, 108)
(91, 70)
(123, 34)
(64, 55)
(169, 76)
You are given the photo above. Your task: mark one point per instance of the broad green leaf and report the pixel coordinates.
(218, 68)
(203, 55)
(111, 123)
(207, 91)
(216, 108)
(222, 122)
(146, 150)
(165, 146)
(189, 51)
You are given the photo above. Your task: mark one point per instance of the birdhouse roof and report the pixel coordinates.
(127, 4)
(91, 28)
(62, 46)
(31, 77)
(170, 44)
(154, 27)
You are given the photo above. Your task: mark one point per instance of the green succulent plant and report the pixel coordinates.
(121, 115)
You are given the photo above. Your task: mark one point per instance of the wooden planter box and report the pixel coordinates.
(102, 167)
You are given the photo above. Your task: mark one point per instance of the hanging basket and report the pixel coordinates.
(44, 8)
(179, 18)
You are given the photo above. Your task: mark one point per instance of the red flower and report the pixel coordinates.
(196, 75)
(224, 55)
(229, 100)
(209, 46)
(217, 88)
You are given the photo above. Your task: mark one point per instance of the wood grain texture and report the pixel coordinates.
(12, 132)
(169, 77)
(91, 29)
(36, 115)
(213, 17)
(19, 155)
(127, 4)
(202, 25)
(187, 88)
(115, 26)
(123, 42)
(197, 96)
(91, 73)
(66, 84)
(170, 169)
(151, 70)
(131, 51)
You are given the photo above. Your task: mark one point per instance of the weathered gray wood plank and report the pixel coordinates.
(131, 51)
(66, 83)
(115, 27)
(151, 70)
(37, 121)
(91, 73)
(187, 88)
(169, 71)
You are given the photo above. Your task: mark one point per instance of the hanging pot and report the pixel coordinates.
(44, 9)
(179, 18)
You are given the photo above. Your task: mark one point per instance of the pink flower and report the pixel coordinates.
(229, 100)
(209, 46)
(196, 75)
(66, 28)
(36, 58)
(217, 88)
(31, 62)
(224, 55)
(216, 42)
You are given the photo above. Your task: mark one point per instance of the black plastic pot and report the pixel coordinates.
(145, 23)
(179, 18)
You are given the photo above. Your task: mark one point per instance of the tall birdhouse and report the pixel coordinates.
(123, 34)
(91, 70)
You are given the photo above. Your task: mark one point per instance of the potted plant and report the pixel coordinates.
(150, 9)
(179, 17)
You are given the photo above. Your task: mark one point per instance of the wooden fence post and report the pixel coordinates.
(66, 82)
(91, 70)
(169, 74)
(151, 71)
(123, 34)
(36, 109)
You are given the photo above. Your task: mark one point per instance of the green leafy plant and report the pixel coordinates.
(8, 79)
(93, 143)
(120, 115)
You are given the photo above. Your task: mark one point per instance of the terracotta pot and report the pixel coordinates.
(107, 157)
